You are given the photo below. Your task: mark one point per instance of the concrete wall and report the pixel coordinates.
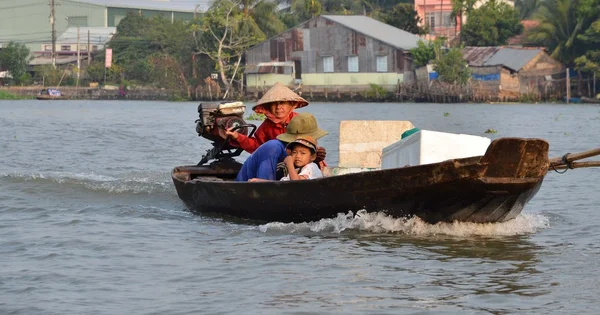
(27, 21)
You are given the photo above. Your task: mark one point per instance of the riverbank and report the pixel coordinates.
(318, 95)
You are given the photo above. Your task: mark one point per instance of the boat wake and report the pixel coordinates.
(379, 222)
(131, 183)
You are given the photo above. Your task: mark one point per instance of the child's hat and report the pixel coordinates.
(306, 141)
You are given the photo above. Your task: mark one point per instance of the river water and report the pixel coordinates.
(90, 223)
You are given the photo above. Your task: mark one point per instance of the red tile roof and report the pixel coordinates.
(528, 25)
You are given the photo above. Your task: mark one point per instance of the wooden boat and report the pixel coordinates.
(49, 94)
(490, 188)
(590, 100)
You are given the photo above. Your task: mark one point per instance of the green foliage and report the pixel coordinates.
(9, 96)
(313, 7)
(491, 131)
(426, 52)
(492, 24)
(452, 67)
(561, 23)
(423, 53)
(404, 17)
(527, 8)
(15, 58)
(256, 117)
(376, 92)
(95, 71)
(47, 75)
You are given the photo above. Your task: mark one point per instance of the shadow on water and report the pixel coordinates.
(482, 265)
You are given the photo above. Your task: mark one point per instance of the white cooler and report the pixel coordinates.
(426, 147)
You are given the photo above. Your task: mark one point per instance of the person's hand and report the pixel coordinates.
(321, 154)
(254, 180)
(232, 134)
(289, 161)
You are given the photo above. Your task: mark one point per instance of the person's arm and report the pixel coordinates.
(292, 173)
(249, 144)
(259, 180)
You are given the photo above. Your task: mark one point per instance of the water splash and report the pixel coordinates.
(131, 183)
(379, 222)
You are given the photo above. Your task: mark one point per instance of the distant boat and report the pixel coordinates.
(49, 94)
(590, 100)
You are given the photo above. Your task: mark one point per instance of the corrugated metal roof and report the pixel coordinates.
(43, 60)
(378, 30)
(98, 35)
(514, 59)
(476, 56)
(161, 5)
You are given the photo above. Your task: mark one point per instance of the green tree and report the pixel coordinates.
(561, 22)
(224, 37)
(590, 61)
(492, 24)
(527, 8)
(425, 52)
(404, 17)
(15, 58)
(459, 9)
(452, 67)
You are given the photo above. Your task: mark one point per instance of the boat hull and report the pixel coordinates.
(49, 97)
(476, 189)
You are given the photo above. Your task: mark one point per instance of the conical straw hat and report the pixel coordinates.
(280, 93)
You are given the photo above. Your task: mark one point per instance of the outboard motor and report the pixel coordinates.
(214, 120)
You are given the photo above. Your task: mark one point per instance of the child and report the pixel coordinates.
(299, 162)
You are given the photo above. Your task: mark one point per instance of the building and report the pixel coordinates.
(28, 21)
(332, 54)
(521, 40)
(66, 45)
(437, 16)
(513, 72)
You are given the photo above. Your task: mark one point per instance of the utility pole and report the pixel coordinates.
(568, 87)
(52, 21)
(89, 49)
(78, 58)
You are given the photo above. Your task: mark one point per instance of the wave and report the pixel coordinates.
(379, 222)
(131, 183)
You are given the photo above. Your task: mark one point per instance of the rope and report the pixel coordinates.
(569, 165)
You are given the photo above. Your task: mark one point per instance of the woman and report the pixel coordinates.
(278, 106)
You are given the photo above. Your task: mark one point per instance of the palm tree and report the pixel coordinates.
(261, 16)
(459, 8)
(527, 7)
(559, 27)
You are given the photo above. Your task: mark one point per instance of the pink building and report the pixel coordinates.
(436, 14)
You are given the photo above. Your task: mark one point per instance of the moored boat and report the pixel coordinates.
(49, 94)
(590, 100)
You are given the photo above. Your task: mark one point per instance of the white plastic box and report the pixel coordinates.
(426, 147)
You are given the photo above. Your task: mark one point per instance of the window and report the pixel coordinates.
(352, 63)
(328, 64)
(83, 47)
(74, 21)
(65, 47)
(430, 19)
(48, 47)
(439, 19)
(95, 48)
(382, 64)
